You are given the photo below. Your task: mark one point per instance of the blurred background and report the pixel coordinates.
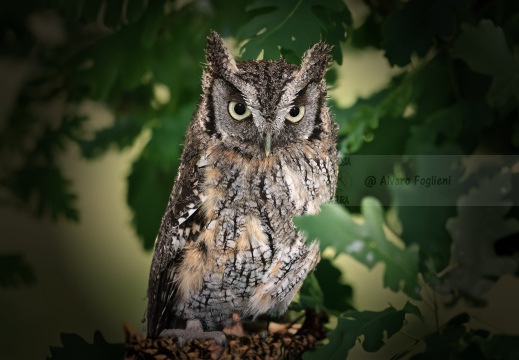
(95, 97)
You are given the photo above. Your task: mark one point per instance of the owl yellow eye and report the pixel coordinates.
(238, 111)
(295, 114)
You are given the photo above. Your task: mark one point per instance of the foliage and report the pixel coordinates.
(294, 25)
(473, 246)
(456, 94)
(77, 348)
(456, 342)
(370, 324)
(366, 243)
(15, 272)
(484, 49)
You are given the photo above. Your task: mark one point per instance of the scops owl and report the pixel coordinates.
(260, 149)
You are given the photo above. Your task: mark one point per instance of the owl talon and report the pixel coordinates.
(192, 331)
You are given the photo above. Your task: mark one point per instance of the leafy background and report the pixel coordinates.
(95, 99)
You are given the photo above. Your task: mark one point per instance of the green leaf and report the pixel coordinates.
(433, 240)
(134, 10)
(151, 179)
(481, 220)
(368, 34)
(293, 25)
(149, 187)
(503, 347)
(443, 128)
(412, 28)
(178, 58)
(365, 242)
(380, 114)
(97, 80)
(311, 295)
(337, 295)
(15, 272)
(133, 68)
(121, 134)
(113, 11)
(73, 9)
(90, 9)
(370, 324)
(76, 348)
(228, 16)
(49, 187)
(444, 345)
(152, 21)
(485, 51)
(116, 60)
(338, 25)
(452, 341)
(324, 290)
(356, 122)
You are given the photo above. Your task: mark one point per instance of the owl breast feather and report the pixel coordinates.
(249, 258)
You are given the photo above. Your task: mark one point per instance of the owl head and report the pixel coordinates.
(259, 107)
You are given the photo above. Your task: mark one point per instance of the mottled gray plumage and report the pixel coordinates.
(227, 243)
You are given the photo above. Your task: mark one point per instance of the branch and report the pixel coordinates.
(253, 346)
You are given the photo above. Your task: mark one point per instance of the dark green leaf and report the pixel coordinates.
(76, 348)
(365, 242)
(356, 122)
(292, 25)
(444, 345)
(97, 70)
(502, 347)
(134, 10)
(412, 29)
(72, 8)
(458, 320)
(433, 239)
(152, 21)
(90, 9)
(98, 79)
(49, 187)
(485, 51)
(15, 272)
(113, 11)
(311, 295)
(149, 187)
(121, 134)
(337, 295)
(370, 324)
(380, 114)
(367, 35)
(442, 128)
(452, 341)
(228, 16)
(133, 68)
(480, 221)
(323, 289)
(178, 58)
(151, 179)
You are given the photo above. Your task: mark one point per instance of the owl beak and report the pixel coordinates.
(268, 141)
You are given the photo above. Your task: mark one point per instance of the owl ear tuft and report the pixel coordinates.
(217, 56)
(316, 60)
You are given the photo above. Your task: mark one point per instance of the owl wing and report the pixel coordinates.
(179, 227)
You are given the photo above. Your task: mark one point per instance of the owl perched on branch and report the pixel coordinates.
(260, 150)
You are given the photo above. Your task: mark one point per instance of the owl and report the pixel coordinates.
(260, 149)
